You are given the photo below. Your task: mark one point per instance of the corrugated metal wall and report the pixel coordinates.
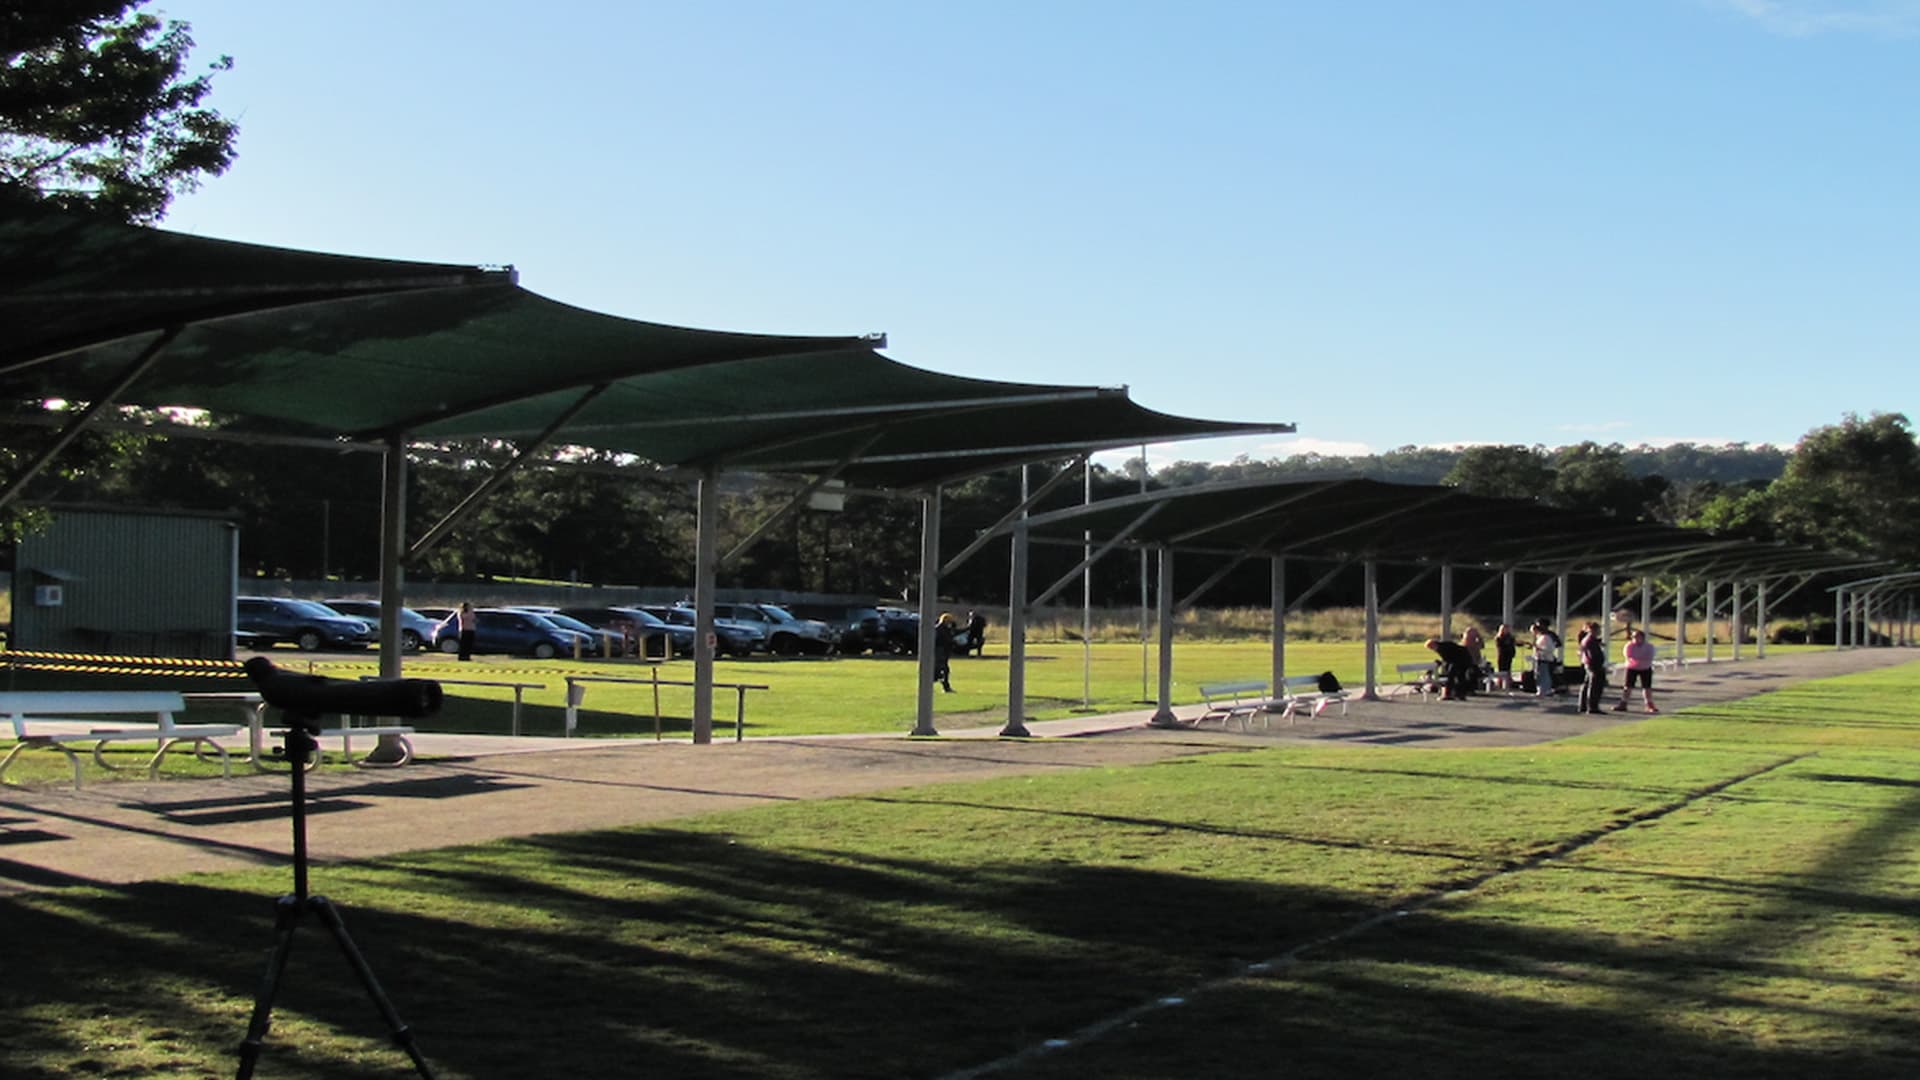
(139, 584)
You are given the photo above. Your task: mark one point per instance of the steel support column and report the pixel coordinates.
(929, 611)
(1680, 621)
(1710, 619)
(1606, 610)
(1372, 586)
(1016, 726)
(1560, 607)
(1279, 615)
(393, 544)
(1163, 714)
(1736, 629)
(705, 566)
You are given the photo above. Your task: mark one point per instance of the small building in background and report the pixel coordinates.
(131, 582)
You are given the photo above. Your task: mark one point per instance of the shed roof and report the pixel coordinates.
(310, 343)
(1372, 519)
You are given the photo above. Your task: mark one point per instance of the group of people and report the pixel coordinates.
(948, 635)
(1463, 671)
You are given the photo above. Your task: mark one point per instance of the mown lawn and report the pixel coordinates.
(1721, 892)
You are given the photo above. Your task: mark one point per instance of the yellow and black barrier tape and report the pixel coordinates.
(15, 656)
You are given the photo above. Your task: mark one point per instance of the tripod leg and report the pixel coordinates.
(402, 1035)
(286, 916)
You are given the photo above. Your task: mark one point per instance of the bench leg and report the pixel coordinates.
(72, 759)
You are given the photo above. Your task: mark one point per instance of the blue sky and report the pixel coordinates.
(1392, 223)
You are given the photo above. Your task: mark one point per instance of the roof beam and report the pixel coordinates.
(987, 534)
(140, 365)
(472, 502)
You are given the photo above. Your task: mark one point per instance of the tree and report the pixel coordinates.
(1854, 486)
(96, 109)
(1512, 472)
(1595, 479)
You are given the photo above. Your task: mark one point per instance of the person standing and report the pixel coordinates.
(1637, 656)
(1503, 649)
(943, 652)
(463, 621)
(1546, 653)
(976, 633)
(1593, 659)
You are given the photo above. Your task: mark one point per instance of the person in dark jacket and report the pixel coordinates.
(943, 652)
(1593, 658)
(1456, 668)
(1504, 648)
(976, 634)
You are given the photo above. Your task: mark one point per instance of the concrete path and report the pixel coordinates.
(471, 789)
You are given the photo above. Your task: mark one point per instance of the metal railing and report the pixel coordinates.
(577, 692)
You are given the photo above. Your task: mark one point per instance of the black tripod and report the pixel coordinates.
(288, 911)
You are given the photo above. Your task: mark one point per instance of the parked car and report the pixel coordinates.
(900, 630)
(417, 631)
(856, 629)
(638, 626)
(308, 624)
(786, 633)
(605, 642)
(523, 633)
(731, 638)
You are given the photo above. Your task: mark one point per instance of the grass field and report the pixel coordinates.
(1726, 891)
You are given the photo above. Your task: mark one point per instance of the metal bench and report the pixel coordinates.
(1416, 677)
(55, 713)
(1303, 692)
(1233, 701)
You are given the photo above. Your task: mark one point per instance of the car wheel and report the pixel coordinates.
(544, 651)
(449, 645)
(308, 640)
(784, 645)
(410, 640)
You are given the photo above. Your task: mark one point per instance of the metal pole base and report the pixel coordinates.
(287, 913)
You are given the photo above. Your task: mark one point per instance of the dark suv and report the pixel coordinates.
(855, 629)
(266, 621)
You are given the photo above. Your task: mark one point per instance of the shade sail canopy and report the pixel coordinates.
(333, 346)
(1368, 519)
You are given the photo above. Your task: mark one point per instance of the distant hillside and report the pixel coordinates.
(1682, 464)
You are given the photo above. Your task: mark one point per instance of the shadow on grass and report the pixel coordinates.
(688, 954)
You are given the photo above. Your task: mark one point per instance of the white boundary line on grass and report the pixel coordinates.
(1101, 1028)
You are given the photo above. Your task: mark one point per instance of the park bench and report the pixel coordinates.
(1303, 692)
(1416, 677)
(47, 718)
(1233, 701)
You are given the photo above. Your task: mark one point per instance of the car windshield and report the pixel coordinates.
(567, 621)
(644, 618)
(778, 612)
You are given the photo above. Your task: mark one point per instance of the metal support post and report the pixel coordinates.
(929, 610)
(1279, 614)
(1016, 726)
(1372, 586)
(1163, 714)
(705, 559)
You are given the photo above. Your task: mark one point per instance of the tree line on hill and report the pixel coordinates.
(589, 517)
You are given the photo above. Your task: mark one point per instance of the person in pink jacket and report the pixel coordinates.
(1637, 657)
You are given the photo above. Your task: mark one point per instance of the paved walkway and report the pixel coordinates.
(471, 789)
